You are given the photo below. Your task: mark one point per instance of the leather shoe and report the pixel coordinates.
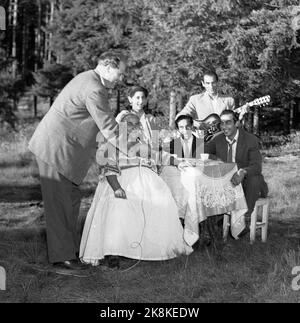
(73, 264)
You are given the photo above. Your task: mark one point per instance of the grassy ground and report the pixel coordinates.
(239, 272)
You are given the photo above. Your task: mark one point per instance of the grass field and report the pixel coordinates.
(237, 272)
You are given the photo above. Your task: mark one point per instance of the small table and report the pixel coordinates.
(204, 189)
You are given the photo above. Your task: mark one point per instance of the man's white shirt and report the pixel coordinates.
(200, 106)
(214, 102)
(187, 147)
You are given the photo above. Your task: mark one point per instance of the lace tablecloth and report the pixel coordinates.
(205, 190)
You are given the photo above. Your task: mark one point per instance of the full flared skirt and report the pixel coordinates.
(145, 226)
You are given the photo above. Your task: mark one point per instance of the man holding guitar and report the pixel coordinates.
(200, 106)
(205, 108)
(212, 124)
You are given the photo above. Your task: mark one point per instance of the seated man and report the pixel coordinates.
(236, 145)
(187, 145)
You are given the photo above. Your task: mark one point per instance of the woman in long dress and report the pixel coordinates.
(133, 213)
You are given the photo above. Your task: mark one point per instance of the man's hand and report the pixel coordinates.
(243, 110)
(120, 193)
(238, 177)
(199, 125)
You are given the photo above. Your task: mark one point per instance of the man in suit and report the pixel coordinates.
(64, 144)
(234, 144)
(187, 145)
(210, 101)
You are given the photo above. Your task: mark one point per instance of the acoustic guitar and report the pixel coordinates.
(212, 123)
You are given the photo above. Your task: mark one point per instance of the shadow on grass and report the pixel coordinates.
(25, 193)
(19, 163)
(14, 194)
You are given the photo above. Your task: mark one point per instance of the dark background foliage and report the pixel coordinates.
(253, 45)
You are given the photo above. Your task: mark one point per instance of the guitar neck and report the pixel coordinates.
(244, 107)
(257, 103)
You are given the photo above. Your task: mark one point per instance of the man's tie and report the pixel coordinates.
(229, 152)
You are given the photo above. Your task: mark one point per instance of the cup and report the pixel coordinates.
(204, 156)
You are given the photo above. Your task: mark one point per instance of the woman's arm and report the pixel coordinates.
(115, 185)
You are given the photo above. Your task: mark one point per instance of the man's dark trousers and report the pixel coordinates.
(61, 206)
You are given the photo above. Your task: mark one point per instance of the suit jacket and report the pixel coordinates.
(199, 106)
(66, 136)
(247, 156)
(177, 148)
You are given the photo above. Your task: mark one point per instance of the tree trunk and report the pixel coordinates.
(38, 38)
(52, 8)
(250, 118)
(118, 101)
(46, 37)
(35, 98)
(24, 43)
(35, 106)
(48, 34)
(2, 18)
(291, 116)
(287, 125)
(172, 110)
(297, 114)
(14, 15)
(37, 49)
(59, 8)
(14, 6)
(256, 122)
(180, 102)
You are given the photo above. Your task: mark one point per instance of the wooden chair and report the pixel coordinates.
(254, 224)
(226, 226)
(263, 224)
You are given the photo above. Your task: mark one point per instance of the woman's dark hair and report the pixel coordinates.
(137, 88)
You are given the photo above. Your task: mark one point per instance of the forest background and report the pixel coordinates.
(253, 46)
